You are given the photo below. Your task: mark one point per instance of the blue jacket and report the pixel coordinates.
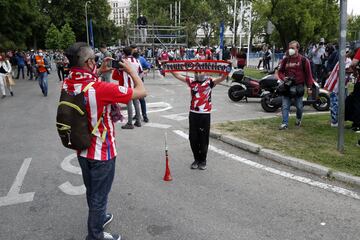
(20, 60)
(144, 64)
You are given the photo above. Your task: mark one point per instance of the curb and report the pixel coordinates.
(285, 160)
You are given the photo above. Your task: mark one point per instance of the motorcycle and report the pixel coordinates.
(271, 99)
(243, 87)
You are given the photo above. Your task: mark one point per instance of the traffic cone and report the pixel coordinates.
(167, 176)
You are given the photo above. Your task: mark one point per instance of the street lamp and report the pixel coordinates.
(87, 28)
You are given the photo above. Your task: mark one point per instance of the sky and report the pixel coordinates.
(353, 5)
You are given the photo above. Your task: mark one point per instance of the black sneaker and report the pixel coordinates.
(202, 166)
(146, 119)
(108, 218)
(12, 94)
(194, 165)
(3, 96)
(137, 123)
(298, 122)
(128, 126)
(109, 236)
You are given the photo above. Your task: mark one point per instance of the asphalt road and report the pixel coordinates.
(42, 196)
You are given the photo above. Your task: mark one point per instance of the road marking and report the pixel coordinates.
(157, 125)
(158, 107)
(177, 117)
(308, 181)
(14, 196)
(67, 187)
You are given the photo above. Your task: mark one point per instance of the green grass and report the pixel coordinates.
(254, 73)
(315, 141)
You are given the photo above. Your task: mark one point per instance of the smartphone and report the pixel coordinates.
(116, 64)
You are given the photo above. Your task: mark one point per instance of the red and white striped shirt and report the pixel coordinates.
(98, 100)
(123, 77)
(200, 94)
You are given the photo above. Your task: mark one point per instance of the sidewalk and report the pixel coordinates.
(285, 160)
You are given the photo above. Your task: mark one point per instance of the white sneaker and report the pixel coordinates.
(108, 236)
(334, 124)
(283, 126)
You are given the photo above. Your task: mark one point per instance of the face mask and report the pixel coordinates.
(93, 69)
(291, 52)
(199, 78)
(41, 54)
(135, 54)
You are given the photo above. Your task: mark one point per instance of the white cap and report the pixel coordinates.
(322, 40)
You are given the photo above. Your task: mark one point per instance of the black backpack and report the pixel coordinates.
(72, 122)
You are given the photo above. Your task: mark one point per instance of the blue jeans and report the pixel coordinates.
(43, 82)
(143, 107)
(98, 177)
(286, 103)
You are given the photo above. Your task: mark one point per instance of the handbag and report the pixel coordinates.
(9, 81)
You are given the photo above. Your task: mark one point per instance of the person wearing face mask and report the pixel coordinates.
(42, 64)
(199, 117)
(106, 76)
(126, 80)
(5, 69)
(98, 161)
(146, 68)
(317, 52)
(297, 67)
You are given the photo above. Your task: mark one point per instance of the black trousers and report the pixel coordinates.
(199, 128)
(60, 72)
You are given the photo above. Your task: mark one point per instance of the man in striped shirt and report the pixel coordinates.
(98, 161)
(126, 80)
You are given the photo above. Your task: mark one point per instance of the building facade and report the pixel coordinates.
(120, 11)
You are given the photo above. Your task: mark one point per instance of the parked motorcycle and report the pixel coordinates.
(243, 87)
(271, 100)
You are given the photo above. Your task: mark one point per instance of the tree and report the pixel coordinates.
(306, 21)
(21, 22)
(53, 38)
(353, 30)
(67, 36)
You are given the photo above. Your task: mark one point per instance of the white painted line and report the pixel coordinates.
(158, 107)
(177, 117)
(14, 196)
(157, 125)
(308, 181)
(66, 165)
(67, 187)
(70, 189)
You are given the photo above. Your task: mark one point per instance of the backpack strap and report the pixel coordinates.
(88, 86)
(103, 136)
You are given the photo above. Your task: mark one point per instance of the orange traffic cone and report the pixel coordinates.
(167, 176)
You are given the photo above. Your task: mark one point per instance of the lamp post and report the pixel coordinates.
(87, 28)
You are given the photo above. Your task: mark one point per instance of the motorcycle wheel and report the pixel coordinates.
(323, 103)
(236, 93)
(265, 104)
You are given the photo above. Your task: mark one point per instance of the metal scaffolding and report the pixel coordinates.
(158, 36)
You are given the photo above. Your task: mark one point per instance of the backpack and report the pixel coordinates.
(72, 122)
